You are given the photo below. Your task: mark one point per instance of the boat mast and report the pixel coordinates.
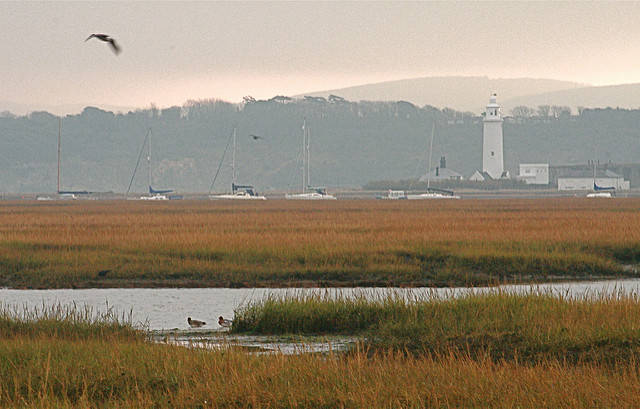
(308, 158)
(149, 160)
(135, 170)
(233, 161)
(59, 137)
(433, 129)
(304, 154)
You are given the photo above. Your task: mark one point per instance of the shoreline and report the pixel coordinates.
(167, 284)
(187, 284)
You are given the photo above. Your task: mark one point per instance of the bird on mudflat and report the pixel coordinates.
(195, 323)
(107, 39)
(224, 323)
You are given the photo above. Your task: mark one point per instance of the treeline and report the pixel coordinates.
(352, 143)
(543, 111)
(564, 112)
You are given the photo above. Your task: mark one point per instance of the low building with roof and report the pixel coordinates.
(629, 171)
(480, 176)
(442, 173)
(582, 180)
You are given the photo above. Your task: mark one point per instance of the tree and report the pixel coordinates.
(522, 111)
(450, 113)
(544, 110)
(560, 112)
(153, 111)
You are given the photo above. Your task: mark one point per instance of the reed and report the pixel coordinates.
(92, 373)
(350, 243)
(523, 327)
(41, 368)
(67, 322)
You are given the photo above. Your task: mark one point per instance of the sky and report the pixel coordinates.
(175, 51)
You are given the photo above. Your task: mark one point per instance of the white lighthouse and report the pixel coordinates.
(492, 160)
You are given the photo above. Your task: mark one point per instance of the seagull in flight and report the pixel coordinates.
(107, 39)
(256, 137)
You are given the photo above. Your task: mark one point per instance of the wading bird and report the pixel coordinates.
(107, 39)
(195, 323)
(224, 323)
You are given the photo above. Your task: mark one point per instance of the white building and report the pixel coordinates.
(492, 151)
(605, 178)
(534, 173)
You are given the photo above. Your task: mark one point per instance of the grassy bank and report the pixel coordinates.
(346, 243)
(94, 374)
(107, 367)
(531, 327)
(68, 322)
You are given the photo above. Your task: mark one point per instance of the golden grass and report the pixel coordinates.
(343, 243)
(530, 327)
(50, 373)
(107, 367)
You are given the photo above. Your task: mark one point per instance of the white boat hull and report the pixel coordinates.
(309, 196)
(394, 195)
(431, 196)
(236, 197)
(154, 197)
(606, 195)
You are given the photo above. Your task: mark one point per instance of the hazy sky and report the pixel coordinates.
(176, 51)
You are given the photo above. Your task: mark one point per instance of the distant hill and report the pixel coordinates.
(614, 96)
(460, 93)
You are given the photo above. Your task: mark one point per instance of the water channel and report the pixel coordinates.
(168, 308)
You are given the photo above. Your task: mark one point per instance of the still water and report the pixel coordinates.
(169, 308)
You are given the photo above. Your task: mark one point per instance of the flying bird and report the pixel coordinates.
(256, 137)
(195, 323)
(224, 323)
(107, 39)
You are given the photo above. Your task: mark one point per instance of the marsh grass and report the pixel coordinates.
(347, 243)
(300, 312)
(504, 325)
(90, 374)
(67, 322)
(106, 367)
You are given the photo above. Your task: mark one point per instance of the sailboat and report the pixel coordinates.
(154, 194)
(308, 192)
(432, 193)
(238, 192)
(599, 191)
(64, 194)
